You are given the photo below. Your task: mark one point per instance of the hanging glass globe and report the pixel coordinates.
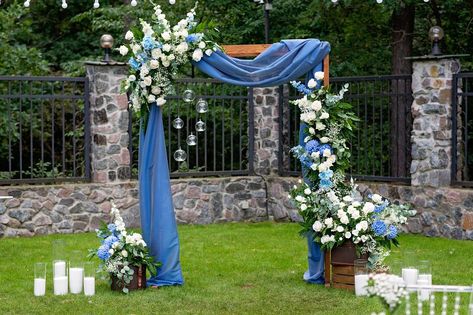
(180, 155)
(191, 140)
(200, 126)
(178, 123)
(188, 96)
(202, 106)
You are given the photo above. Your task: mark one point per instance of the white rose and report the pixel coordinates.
(135, 48)
(167, 47)
(312, 131)
(324, 115)
(303, 207)
(322, 167)
(347, 235)
(315, 155)
(156, 90)
(124, 253)
(363, 225)
(154, 64)
(111, 251)
(356, 204)
(311, 84)
(364, 238)
(355, 215)
(347, 199)
(132, 78)
(197, 55)
(160, 101)
(307, 191)
(319, 126)
(166, 36)
(344, 220)
(340, 229)
(147, 81)
(300, 198)
(324, 139)
(332, 158)
(171, 57)
(368, 208)
(166, 63)
(327, 153)
(319, 75)
(129, 35)
(123, 50)
(316, 106)
(377, 198)
(202, 45)
(317, 226)
(355, 232)
(314, 166)
(151, 98)
(329, 222)
(208, 52)
(156, 53)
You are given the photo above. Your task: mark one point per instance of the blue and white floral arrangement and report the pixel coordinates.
(332, 209)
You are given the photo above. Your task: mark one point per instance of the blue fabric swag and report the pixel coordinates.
(280, 63)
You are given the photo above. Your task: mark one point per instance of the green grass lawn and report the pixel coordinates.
(228, 269)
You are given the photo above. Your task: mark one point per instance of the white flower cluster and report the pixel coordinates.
(387, 288)
(157, 57)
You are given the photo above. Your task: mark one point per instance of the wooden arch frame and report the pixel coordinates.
(256, 49)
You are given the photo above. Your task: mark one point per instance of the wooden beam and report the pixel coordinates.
(245, 50)
(326, 70)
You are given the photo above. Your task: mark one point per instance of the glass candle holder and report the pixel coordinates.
(361, 276)
(89, 278)
(60, 277)
(410, 265)
(39, 279)
(76, 272)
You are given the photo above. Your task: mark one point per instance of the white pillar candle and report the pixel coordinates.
(409, 275)
(89, 286)
(60, 268)
(39, 286)
(361, 282)
(424, 279)
(75, 280)
(60, 285)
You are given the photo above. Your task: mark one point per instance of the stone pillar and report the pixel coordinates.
(110, 157)
(431, 137)
(266, 102)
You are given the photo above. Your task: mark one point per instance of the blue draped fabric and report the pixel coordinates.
(280, 63)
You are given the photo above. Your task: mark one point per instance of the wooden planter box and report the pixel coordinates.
(339, 266)
(137, 283)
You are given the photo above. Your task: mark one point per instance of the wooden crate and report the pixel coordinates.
(339, 267)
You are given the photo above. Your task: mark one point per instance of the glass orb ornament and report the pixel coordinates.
(180, 155)
(200, 126)
(202, 106)
(191, 140)
(188, 96)
(178, 123)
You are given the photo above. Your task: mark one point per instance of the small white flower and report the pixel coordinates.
(328, 222)
(364, 238)
(317, 226)
(136, 48)
(312, 131)
(160, 101)
(303, 207)
(368, 208)
(161, 17)
(156, 90)
(132, 78)
(340, 229)
(355, 215)
(347, 198)
(167, 47)
(322, 167)
(377, 198)
(197, 55)
(347, 235)
(156, 53)
(324, 139)
(311, 84)
(344, 220)
(327, 153)
(208, 52)
(324, 115)
(111, 251)
(171, 57)
(307, 191)
(355, 232)
(147, 81)
(314, 166)
(315, 155)
(151, 98)
(316, 105)
(307, 139)
(154, 64)
(166, 63)
(166, 36)
(319, 75)
(123, 50)
(202, 45)
(129, 35)
(319, 126)
(124, 253)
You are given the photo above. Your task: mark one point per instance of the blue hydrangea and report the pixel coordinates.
(103, 253)
(305, 160)
(312, 146)
(379, 227)
(192, 38)
(148, 43)
(326, 175)
(111, 227)
(324, 147)
(134, 64)
(380, 208)
(325, 184)
(392, 232)
(109, 241)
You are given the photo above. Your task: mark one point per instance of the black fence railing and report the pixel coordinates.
(380, 146)
(462, 129)
(225, 147)
(44, 122)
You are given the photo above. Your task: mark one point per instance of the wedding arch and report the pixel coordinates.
(278, 64)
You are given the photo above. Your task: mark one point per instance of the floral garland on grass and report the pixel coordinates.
(120, 250)
(157, 52)
(332, 209)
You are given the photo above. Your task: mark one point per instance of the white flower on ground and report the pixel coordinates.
(129, 35)
(347, 235)
(307, 191)
(303, 207)
(123, 50)
(319, 75)
(324, 139)
(328, 222)
(197, 55)
(317, 226)
(160, 101)
(300, 199)
(311, 84)
(319, 126)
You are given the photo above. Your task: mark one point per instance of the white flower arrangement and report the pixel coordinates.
(156, 53)
(120, 250)
(387, 289)
(334, 210)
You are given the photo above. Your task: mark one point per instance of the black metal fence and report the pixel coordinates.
(462, 129)
(225, 147)
(44, 122)
(381, 144)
